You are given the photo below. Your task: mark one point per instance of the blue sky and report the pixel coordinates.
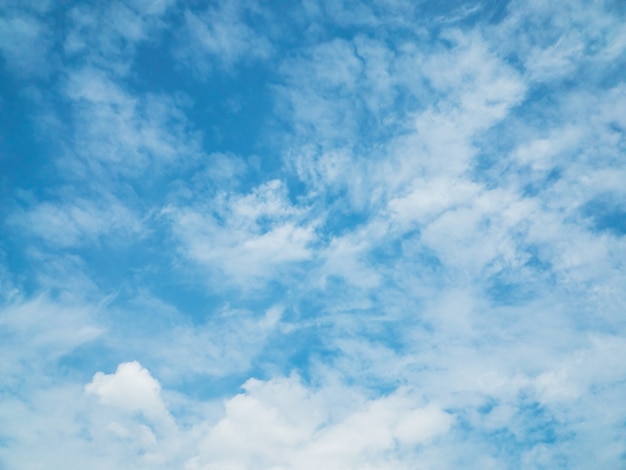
(304, 235)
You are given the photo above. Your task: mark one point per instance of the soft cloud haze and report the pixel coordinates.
(304, 235)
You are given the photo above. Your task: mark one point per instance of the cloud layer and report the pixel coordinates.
(316, 235)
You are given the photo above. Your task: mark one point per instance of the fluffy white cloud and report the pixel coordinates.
(130, 388)
(283, 424)
(280, 423)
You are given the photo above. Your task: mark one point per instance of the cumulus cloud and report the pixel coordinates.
(131, 388)
(282, 423)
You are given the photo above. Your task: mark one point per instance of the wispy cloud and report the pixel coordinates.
(26, 40)
(78, 223)
(107, 36)
(38, 332)
(118, 134)
(246, 237)
(221, 36)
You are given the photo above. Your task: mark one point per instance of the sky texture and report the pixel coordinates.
(305, 234)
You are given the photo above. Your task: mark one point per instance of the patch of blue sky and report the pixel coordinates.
(510, 290)
(510, 445)
(607, 214)
(24, 157)
(75, 365)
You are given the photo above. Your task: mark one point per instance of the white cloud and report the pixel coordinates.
(478, 90)
(25, 43)
(131, 388)
(80, 222)
(107, 35)
(429, 198)
(282, 424)
(330, 90)
(557, 41)
(40, 330)
(347, 112)
(119, 134)
(458, 235)
(248, 237)
(227, 343)
(346, 257)
(540, 153)
(220, 37)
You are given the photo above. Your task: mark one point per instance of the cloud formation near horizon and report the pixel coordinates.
(335, 234)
